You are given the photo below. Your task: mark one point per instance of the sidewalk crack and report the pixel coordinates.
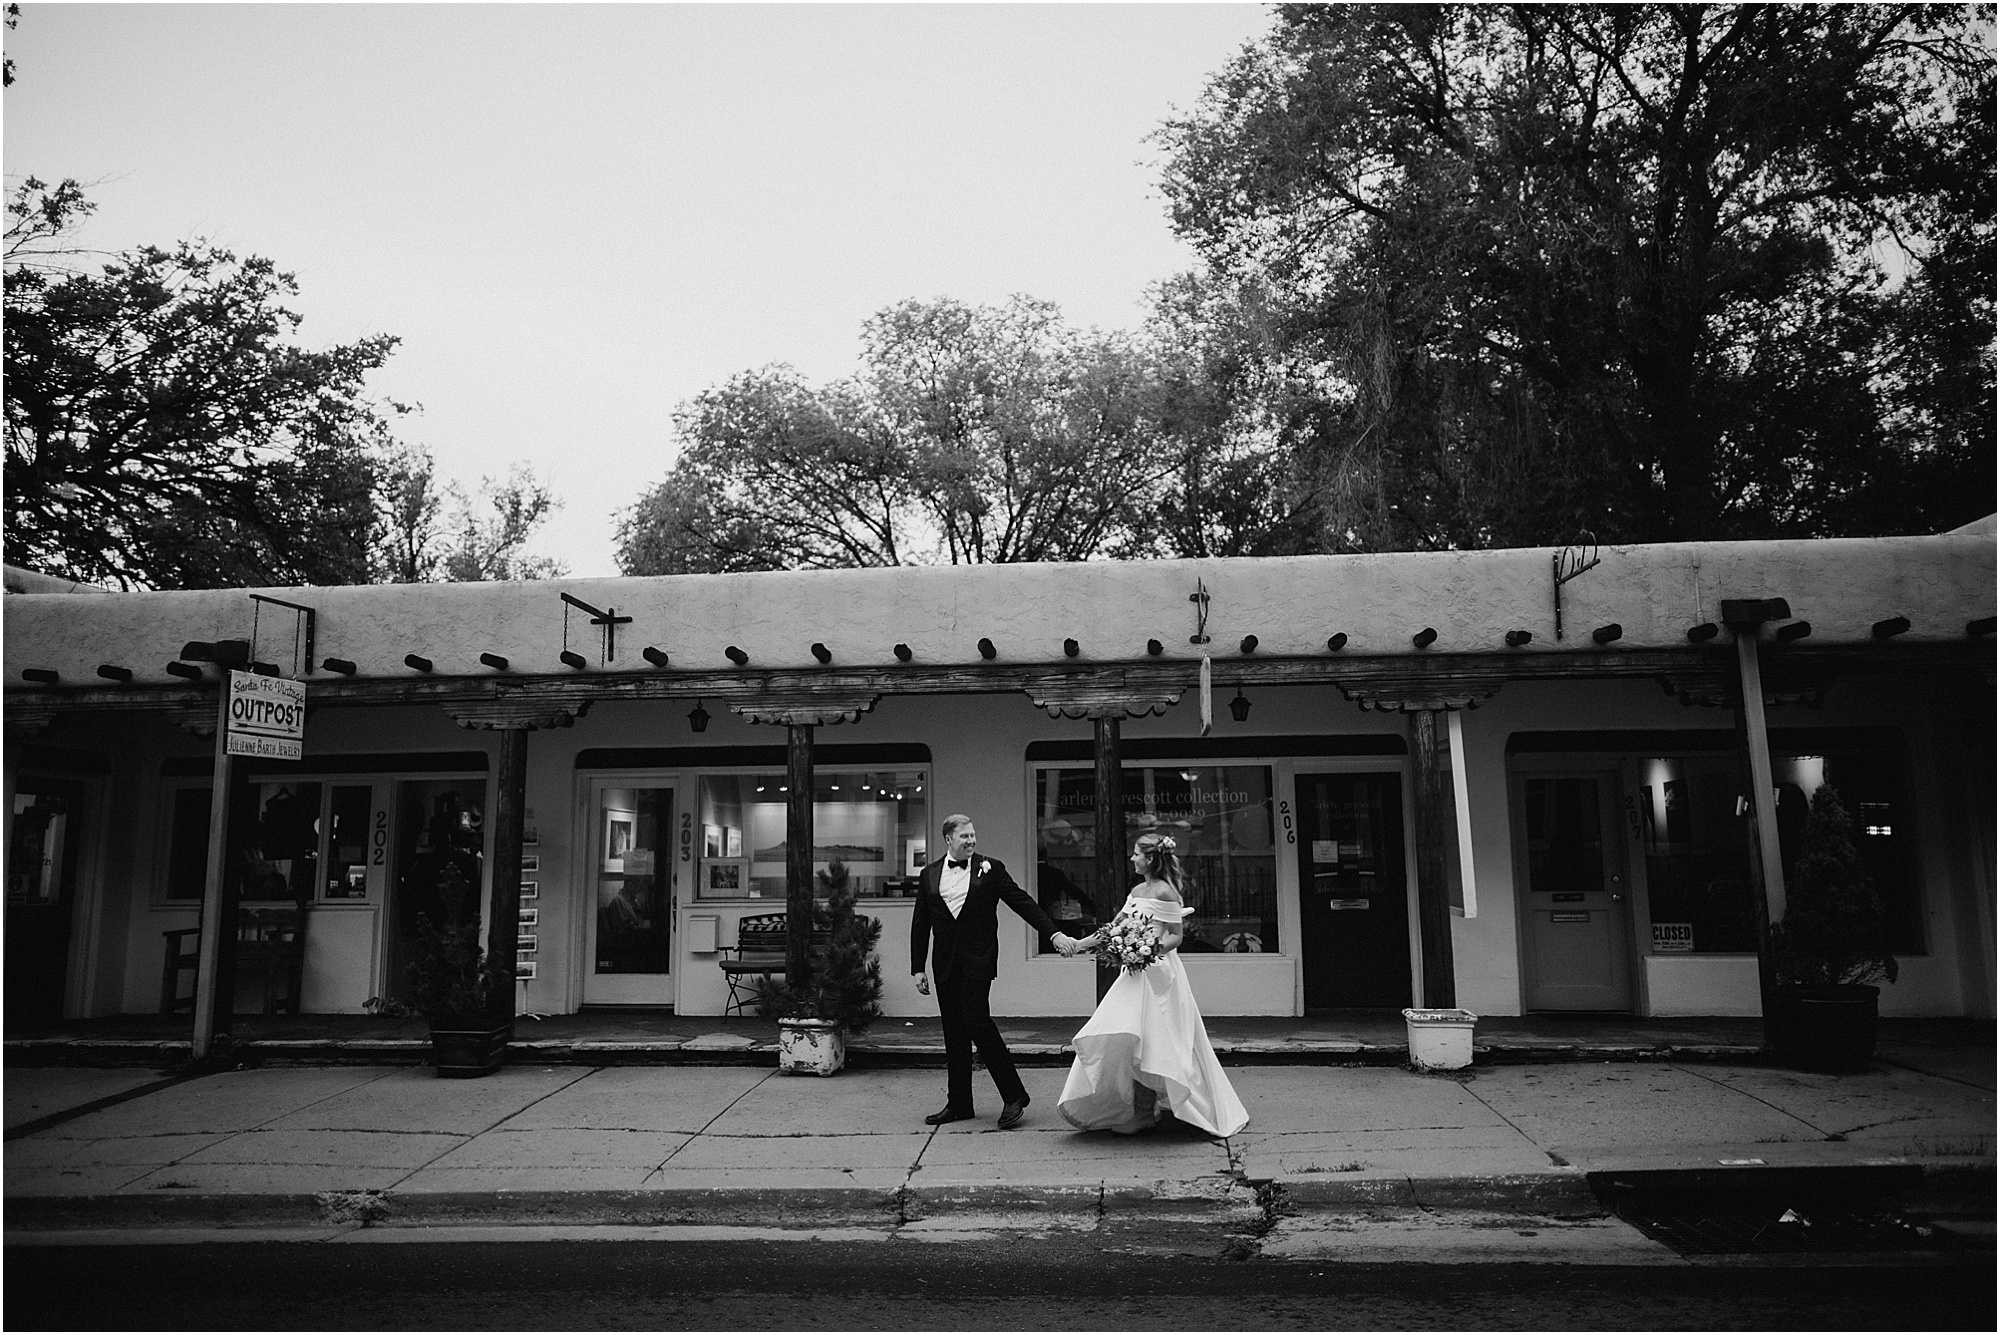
(1820, 1131)
(724, 1112)
(1559, 1161)
(466, 1138)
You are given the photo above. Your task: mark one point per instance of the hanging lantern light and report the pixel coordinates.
(698, 718)
(1239, 708)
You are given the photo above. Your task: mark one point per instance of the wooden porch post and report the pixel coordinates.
(798, 852)
(1112, 873)
(215, 971)
(1435, 830)
(513, 718)
(1767, 867)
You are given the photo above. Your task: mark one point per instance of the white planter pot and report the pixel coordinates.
(1440, 1040)
(810, 1047)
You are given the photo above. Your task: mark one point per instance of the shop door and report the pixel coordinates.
(1353, 911)
(43, 840)
(1578, 919)
(630, 938)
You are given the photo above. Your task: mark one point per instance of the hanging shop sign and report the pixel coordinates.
(267, 717)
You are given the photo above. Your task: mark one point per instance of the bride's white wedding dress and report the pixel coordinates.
(1149, 1030)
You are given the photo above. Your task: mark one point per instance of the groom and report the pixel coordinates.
(957, 923)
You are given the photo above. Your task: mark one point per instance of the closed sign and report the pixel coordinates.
(1673, 937)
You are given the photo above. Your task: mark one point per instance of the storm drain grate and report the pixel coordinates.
(1788, 1231)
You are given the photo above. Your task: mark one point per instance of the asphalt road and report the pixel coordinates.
(1049, 1283)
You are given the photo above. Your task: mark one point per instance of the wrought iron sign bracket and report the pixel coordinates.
(1567, 564)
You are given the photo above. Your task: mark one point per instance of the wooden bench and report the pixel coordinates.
(757, 956)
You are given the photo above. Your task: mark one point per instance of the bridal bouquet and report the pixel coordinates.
(1131, 942)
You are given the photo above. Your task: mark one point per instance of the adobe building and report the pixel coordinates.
(1507, 780)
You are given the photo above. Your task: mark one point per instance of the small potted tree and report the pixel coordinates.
(843, 995)
(456, 988)
(1830, 951)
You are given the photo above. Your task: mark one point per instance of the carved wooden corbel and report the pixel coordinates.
(804, 705)
(32, 720)
(1063, 699)
(1429, 691)
(1717, 690)
(518, 711)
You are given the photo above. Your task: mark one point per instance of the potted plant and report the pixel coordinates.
(456, 988)
(1830, 951)
(843, 994)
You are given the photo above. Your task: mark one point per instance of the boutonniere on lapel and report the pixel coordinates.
(983, 867)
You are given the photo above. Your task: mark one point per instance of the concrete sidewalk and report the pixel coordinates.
(337, 1147)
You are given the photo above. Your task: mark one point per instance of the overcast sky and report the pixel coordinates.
(578, 216)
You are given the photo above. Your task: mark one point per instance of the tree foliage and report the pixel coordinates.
(162, 428)
(427, 531)
(1661, 272)
(974, 434)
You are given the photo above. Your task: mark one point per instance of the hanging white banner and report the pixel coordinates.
(1207, 705)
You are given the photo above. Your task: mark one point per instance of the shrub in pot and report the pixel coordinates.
(456, 988)
(842, 995)
(1831, 949)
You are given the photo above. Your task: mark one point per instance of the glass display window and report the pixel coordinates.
(1220, 818)
(872, 821)
(1698, 876)
(282, 833)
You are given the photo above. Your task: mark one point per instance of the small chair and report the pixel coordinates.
(759, 953)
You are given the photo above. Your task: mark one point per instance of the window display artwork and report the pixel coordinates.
(1221, 818)
(873, 821)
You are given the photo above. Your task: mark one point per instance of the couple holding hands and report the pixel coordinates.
(1144, 1055)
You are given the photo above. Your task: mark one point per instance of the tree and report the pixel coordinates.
(972, 434)
(417, 539)
(1524, 270)
(162, 429)
(1834, 931)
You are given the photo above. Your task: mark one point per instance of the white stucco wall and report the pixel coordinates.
(1292, 604)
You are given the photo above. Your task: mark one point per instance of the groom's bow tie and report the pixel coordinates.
(952, 862)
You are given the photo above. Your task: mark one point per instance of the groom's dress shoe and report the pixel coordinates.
(950, 1114)
(1012, 1113)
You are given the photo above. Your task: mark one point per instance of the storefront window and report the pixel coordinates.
(1870, 786)
(1220, 816)
(1697, 850)
(1697, 863)
(280, 834)
(280, 857)
(873, 821)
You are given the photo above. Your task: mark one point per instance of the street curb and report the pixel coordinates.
(1933, 1190)
(1205, 1201)
(1557, 1192)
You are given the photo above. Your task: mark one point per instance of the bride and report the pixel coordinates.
(1145, 1052)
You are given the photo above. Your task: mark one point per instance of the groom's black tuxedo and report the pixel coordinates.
(964, 953)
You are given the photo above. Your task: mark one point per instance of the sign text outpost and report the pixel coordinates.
(267, 717)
